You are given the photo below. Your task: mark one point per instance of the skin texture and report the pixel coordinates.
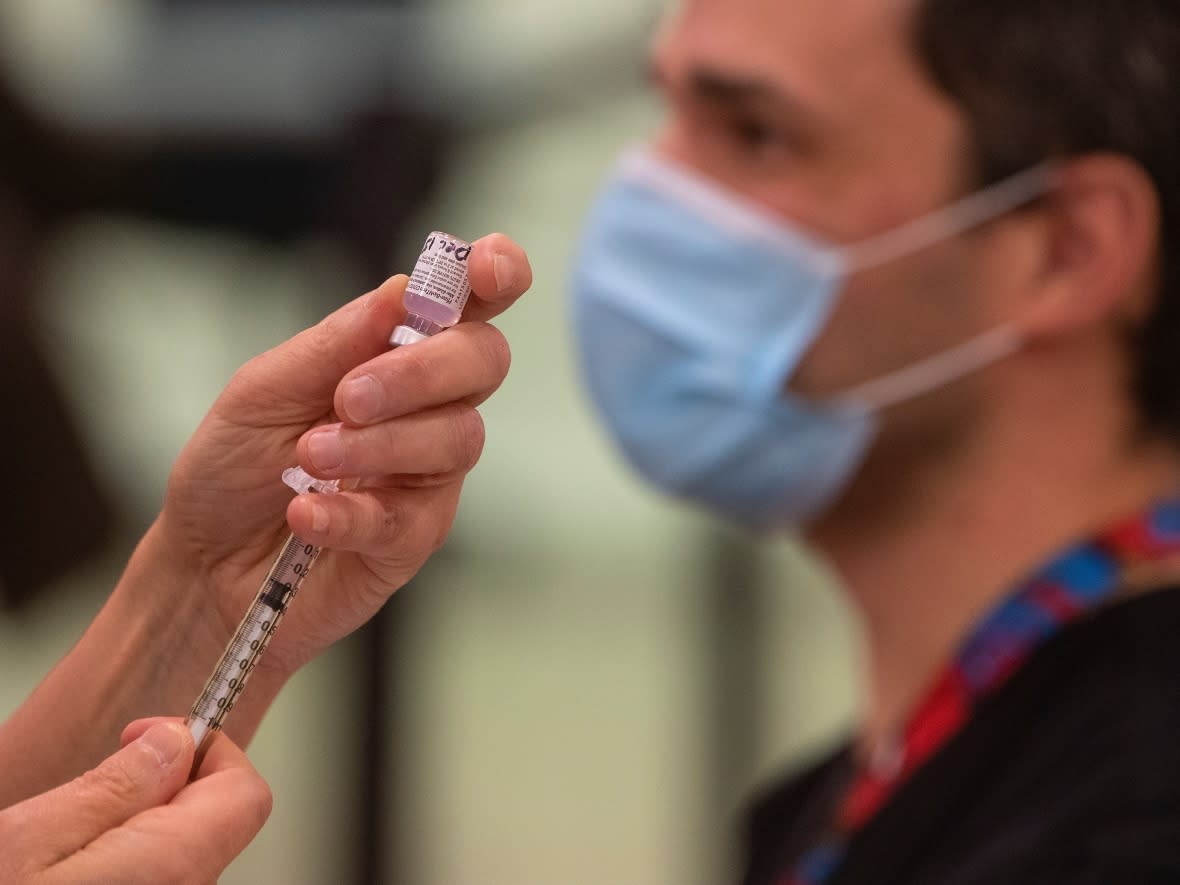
(820, 112)
(409, 429)
(137, 818)
(816, 110)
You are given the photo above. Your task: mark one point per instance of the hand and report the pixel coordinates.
(135, 818)
(403, 421)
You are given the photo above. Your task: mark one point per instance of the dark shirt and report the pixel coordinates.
(1069, 774)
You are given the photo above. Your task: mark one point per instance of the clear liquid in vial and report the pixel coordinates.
(438, 289)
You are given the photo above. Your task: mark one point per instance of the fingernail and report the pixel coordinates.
(504, 270)
(326, 450)
(361, 398)
(166, 740)
(319, 518)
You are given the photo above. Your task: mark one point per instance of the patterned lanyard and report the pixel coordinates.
(1084, 579)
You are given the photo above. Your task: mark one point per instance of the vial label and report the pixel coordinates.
(441, 272)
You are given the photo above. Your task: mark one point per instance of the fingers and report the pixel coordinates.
(445, 440)
(467, 363)
(411, 411)
(147, 772)
(403, 525)
(136, 729)
(295, 381)
(193, 838)
(500, 273)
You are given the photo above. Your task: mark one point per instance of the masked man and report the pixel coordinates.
(900, 274)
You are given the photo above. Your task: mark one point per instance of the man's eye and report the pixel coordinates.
(753, 134)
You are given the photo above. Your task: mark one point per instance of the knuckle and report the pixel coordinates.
(257, 802)
(323, 335)
(112, 780)
(439, 534)
(414, 371)
(392, 520)
(425, 537)
(345, 527)
(263, 799)
(381, 521)
(495, 352)
(469, 434)
(242, 380)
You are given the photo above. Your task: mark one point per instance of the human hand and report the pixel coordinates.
(136, 818)
(411, 438)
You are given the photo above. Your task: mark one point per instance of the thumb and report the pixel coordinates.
(296, 381)
(144, 774)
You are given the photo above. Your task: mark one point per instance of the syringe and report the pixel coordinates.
(435, 297)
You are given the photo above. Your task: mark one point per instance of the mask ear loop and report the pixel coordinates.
(922, 233)
(930, 374)
(954, 220)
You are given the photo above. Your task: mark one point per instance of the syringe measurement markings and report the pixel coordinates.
(434, 300)
(254, 633)
(235, 670)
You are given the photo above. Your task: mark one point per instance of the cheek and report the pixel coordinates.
(891, 318)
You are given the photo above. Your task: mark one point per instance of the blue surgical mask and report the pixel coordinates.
(692, 311)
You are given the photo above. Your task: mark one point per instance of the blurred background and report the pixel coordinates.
(587, 683)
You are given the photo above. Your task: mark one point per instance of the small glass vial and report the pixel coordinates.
(434, 300)
(438, 289)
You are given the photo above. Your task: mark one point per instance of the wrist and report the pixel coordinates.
(147, 653)
(170, 595)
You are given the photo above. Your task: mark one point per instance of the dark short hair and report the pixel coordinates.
(1061, 78)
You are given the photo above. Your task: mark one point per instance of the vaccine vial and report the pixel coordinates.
(438, 289)
(435, 297)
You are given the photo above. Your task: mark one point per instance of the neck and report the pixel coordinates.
(974, 525)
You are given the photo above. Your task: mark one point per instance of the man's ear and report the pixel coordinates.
(1103, 238)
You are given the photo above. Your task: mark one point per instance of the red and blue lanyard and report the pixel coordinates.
(1083, 580)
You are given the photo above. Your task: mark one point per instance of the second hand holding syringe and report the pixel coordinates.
(434, 300)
